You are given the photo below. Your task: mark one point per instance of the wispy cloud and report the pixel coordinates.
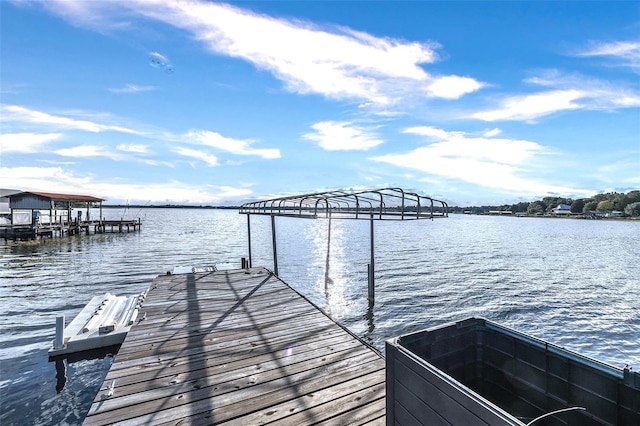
(342, 136)
(489, 133)
(133, 148)
(495, 163)
(563, 92)
(15, 113)
(40, 177)
(209, 159)
(529, 107)
(624, 53)
(234, 146)
(335, 62)
(26, 143)
(86, 151)
(59, 179)
(12, 88)
(133, 88)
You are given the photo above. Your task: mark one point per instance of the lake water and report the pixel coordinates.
(573, 282)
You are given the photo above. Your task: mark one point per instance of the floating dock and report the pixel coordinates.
(238, 347)
(104, 321)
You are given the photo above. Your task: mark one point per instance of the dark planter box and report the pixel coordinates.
(476, 372)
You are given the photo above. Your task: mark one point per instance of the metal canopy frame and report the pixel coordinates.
(382, 204)
(365, 204)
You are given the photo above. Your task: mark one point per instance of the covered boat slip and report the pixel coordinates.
(478, 372)
(238, 347)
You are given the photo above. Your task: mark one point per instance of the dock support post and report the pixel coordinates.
(275, 249)
(249, 238)
(371, 267)
(59, 342)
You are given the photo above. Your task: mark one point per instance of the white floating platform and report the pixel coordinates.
(104, 321)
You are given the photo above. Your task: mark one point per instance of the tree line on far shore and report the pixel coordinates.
(628, 204)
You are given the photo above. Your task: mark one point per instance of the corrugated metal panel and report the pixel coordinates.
(30, 201)
(67, 197)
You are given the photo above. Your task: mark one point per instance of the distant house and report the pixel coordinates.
(562, 209)
(615, 213)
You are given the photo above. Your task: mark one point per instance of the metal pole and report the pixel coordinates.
(59, 342)
(275, 250)
(249, 237)
(371, 266)
(326, 267)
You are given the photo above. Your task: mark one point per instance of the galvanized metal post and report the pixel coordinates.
(249, 237)
(326, 267)
(275, 249)
(59, 342)
(371, 266)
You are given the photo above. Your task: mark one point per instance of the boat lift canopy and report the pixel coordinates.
(366, 204)
(377, 204)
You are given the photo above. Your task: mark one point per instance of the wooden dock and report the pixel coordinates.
(238, 347)
(62, 228)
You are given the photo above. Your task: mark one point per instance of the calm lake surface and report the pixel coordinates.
(573, 282)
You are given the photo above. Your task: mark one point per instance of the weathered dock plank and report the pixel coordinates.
(241, 348)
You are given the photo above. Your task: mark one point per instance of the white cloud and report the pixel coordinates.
(566, 92)
(234, 146)
(596, 94)
(496, 163)
(336, 62)
(209, 159)
(57, 179)
(342, 136)
(20, 114)
(21, 174)
(133, 148)
(85, 151)
(431, 132)
(627, 53)
(26, 143)
(529, 107)
(489, 133)
(133, 88)
(232, 192)
(452, 87)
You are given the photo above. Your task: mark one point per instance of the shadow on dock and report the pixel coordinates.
(239, 347)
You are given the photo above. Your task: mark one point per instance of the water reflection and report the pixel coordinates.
(61, 374)
(570, 282)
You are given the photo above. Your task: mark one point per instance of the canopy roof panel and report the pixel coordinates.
(379, 204)
(65, 197)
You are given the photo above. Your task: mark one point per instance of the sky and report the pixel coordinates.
(212, 103)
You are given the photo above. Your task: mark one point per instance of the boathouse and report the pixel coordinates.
(23, 206)
(32, 214)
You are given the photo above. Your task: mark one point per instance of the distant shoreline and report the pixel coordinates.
(179, 206)
(165, 206)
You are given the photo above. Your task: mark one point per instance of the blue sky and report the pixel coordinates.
(199, 102)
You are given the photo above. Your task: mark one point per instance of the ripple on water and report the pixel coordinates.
(573, 283)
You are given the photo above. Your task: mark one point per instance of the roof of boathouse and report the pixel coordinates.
(378, 204)
(46, 200)
(60, 197)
